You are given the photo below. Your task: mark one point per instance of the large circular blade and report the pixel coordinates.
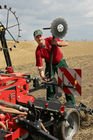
(59, 27)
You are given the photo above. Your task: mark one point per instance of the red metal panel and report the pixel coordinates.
(67, 77)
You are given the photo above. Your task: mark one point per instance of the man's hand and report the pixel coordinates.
(46, 79)
(41, 72)
(54, 42)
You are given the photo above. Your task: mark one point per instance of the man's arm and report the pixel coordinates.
(39, 65)
(41, 72)
(60, 43)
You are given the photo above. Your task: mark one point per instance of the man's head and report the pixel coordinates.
(37, 32)
(39, 38)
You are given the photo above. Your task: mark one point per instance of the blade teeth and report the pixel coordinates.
(0, 7)
(5, 6)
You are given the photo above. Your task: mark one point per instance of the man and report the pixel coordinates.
(43, 51)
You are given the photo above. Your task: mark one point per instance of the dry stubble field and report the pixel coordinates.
(78, 55)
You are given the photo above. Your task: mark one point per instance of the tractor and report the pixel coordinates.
(24, 117)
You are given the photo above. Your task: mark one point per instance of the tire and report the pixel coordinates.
(66, 129)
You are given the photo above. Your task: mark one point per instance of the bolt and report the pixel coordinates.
(18, 97)
(27, 81)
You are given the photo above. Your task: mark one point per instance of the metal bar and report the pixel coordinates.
(15, 106)
(5, 49)
(11, 26)
(48, 28)
(7, 18)
(11, 35)
(51, 60)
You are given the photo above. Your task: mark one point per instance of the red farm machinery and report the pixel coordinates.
(24, 117)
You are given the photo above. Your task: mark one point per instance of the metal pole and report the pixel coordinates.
(5, 48)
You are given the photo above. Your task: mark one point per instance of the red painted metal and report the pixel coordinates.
(67, 76)
(20, 89)
(16, 134)
(14, 88)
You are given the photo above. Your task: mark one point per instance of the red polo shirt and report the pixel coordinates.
(46, 53)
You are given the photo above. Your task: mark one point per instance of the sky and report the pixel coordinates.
(37, 14)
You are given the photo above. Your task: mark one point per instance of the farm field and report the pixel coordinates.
(78, 55)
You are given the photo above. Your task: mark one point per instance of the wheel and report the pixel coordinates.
(66, 129)
(10, 24)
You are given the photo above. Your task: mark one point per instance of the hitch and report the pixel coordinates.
(83, 107)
